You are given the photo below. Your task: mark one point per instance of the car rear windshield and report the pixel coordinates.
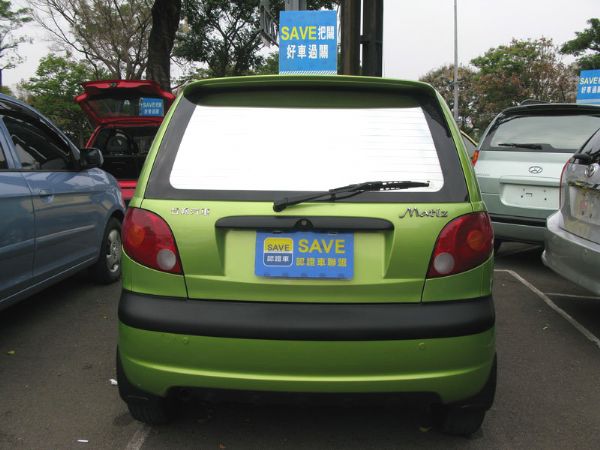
(127, 106)
(541, 132)
(263, 149)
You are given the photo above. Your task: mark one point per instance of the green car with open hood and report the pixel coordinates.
(313, 236)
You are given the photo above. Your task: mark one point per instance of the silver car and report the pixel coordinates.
(519, 162)
(573, 234)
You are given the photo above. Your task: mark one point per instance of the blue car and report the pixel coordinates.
(59, 212)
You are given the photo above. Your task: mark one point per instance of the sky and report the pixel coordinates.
(419, 34)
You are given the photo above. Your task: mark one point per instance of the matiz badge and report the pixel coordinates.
(414, 212)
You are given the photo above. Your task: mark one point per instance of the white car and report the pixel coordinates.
(573, 234)
(519, 162)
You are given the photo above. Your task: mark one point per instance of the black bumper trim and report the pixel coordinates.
(307, 321)
(518, 220)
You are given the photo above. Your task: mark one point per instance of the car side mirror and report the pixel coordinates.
(91, 157)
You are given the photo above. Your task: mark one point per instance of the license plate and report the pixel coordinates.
(530, 196)
(305, 255)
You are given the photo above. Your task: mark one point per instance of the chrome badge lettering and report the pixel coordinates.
(190, 211)
(414, 212)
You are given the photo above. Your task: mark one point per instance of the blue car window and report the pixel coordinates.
(37, 148)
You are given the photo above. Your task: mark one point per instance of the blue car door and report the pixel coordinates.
(67, 221)
(16, 228)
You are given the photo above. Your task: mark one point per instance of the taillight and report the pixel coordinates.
(464, 243)
(562, 185)
(475, 157)
(148, 240)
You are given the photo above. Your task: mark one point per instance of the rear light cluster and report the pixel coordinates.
(562, 186)
(464, 243)
(475, 157)
(148, 240)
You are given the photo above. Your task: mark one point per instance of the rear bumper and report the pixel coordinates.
(572, 257)
(307, 321)
(451, 368)
(127, 189)
(518, 228)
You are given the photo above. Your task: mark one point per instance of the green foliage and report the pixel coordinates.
(524, 69)
(11, 20)
(6, 90)
(56, 82)
(586, 46)
(506, 75)
(225, 35)
(270, 66)
(443, 80)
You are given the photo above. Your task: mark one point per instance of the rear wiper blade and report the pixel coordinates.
(522, 145)
(351, 190)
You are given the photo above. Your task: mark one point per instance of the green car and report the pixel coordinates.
(310, 236)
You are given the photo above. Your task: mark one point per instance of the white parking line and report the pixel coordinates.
(552, 305)
(138, 438)
(584, 297)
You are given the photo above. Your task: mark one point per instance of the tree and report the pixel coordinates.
(586, 46)
(225, 35)
(524, 69)
(442, 79)
(111, 35)
(270, 65)
(165, 22)
(11, 20)
(56, 82)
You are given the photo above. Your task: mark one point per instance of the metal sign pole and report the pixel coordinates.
(372, 39)
(350, 23)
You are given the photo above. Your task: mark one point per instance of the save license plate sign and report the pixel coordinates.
(304, 255)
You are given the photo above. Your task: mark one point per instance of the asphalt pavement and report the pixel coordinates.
(57, 362)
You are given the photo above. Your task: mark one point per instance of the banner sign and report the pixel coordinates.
(588, 89)
(152, 107)
(308, 42)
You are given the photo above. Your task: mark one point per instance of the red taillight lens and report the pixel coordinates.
(148, 240)
(475, 157)
(464, 243)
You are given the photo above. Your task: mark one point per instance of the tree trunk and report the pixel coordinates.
(165, 21)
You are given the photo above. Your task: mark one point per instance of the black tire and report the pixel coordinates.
(108, 267)
(461, 421)
(151, 413)
(466, 418)
(144, 407)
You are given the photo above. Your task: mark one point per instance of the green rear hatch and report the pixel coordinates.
(234, 146)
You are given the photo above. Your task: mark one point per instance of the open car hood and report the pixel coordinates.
(124, 101)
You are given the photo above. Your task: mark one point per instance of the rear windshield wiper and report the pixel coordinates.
(351, 190)
(521, 145)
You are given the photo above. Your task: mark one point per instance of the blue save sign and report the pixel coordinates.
(308, 42)
(152, 107)
(588, 89)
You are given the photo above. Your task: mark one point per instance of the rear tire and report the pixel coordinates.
(144, 407)
(459, 421)
(108, 267)
(466, 418)
(149, 412)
